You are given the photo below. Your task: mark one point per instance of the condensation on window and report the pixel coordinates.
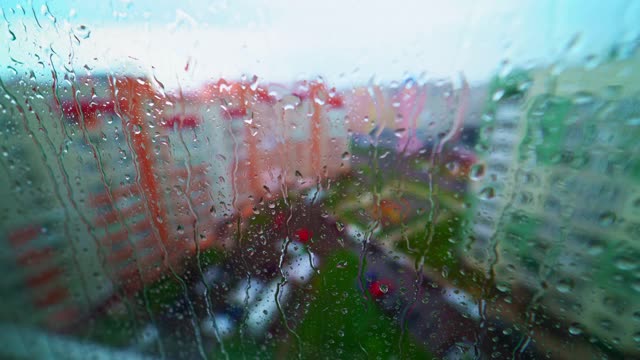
(319, 180)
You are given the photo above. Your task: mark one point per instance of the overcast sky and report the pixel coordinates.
(346, 42)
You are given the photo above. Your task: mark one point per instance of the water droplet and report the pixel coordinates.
(346, 156)
(477, 172)
(180, 229)
(564, 286)
(320, 98)
(498, 95)
(582, 98)
(634, 121)
(12, 34)
(606, 324)
(400, 132)
(607, 218)
(595, 248)
(575, 329)
(137, 129)
(453, 167)
(339, 226)
(487, 193)
(625, 263)
(342, 264)
(384, 288)
(503, 287)
(82, 31)
(254, 83)
(574, 41)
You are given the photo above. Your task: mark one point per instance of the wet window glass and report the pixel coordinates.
(319, 180)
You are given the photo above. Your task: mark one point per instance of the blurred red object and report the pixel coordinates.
(304, 235)
(380, 288)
